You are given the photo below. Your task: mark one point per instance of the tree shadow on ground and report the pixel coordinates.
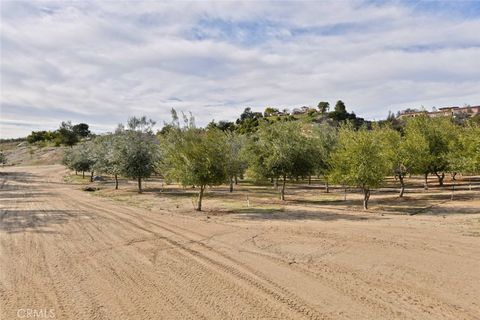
(22, 193)
(38, 221)
(18, 177)
(292, 215)
(181, 193)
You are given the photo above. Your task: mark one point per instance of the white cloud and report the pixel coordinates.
(102, 62)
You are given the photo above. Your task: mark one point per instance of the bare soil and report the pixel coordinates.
(23, 153)
(118, 255)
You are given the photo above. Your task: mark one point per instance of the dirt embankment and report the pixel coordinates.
(24, 154)
(85, 257)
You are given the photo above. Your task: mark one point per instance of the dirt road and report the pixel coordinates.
(76, 256)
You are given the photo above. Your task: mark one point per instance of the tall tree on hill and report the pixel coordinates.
(248, 121)
(66, 134)
(340, 107)
(323, 106)
(81, 130)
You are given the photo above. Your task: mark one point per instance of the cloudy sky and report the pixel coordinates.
(102, 61)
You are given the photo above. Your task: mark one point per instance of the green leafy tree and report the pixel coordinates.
(360, 159)
(427, 145)
(41, 136)
(139, 150)
(79, 158)
(235, 164)
(107, 150)
(324, 140)
(269, 112)
(340, 115)
(193, 156)
(248, 121)
(66, 134)
(464, 153)
(282, 150)
(81, 130)
(323, 106)
(226, 126)
(397, 154)
(340, 107)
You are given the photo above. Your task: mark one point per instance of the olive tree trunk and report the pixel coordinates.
(282, 192)
(231, 184)
(91, 176)
(200, 197)
(440, 178)
(83, 174)
(116, 181)
(366, 197)
(402, 185)
(425, 183)
(139, 185)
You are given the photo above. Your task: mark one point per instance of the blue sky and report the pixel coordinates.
(101, 62)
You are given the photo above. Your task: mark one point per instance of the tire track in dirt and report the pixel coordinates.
(142, 285)
(96, 259)
(341, 282)
(285, 297)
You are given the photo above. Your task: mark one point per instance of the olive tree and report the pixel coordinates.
(194, 156)
(108, 155)
(282, 150)
(397, 155)
(360, 159)
(324, 140)
(79, 158)
(465, 150)
(235, 164)
(138, 150)
(427, 145)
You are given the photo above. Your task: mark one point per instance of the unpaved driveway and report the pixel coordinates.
(69, 254)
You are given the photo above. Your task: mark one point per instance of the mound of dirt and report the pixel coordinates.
(26, 154)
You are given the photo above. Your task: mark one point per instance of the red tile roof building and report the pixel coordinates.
(442, 112)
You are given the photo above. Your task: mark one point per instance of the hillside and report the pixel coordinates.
(22, 153)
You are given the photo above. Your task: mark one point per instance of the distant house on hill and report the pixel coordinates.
(301, 110)
(441, 112)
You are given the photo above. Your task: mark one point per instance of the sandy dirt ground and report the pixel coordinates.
(80, 256)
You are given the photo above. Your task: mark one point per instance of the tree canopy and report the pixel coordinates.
(193, 156)
(360, 159)
(428, 143)
(282, 150)
(139, 150)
